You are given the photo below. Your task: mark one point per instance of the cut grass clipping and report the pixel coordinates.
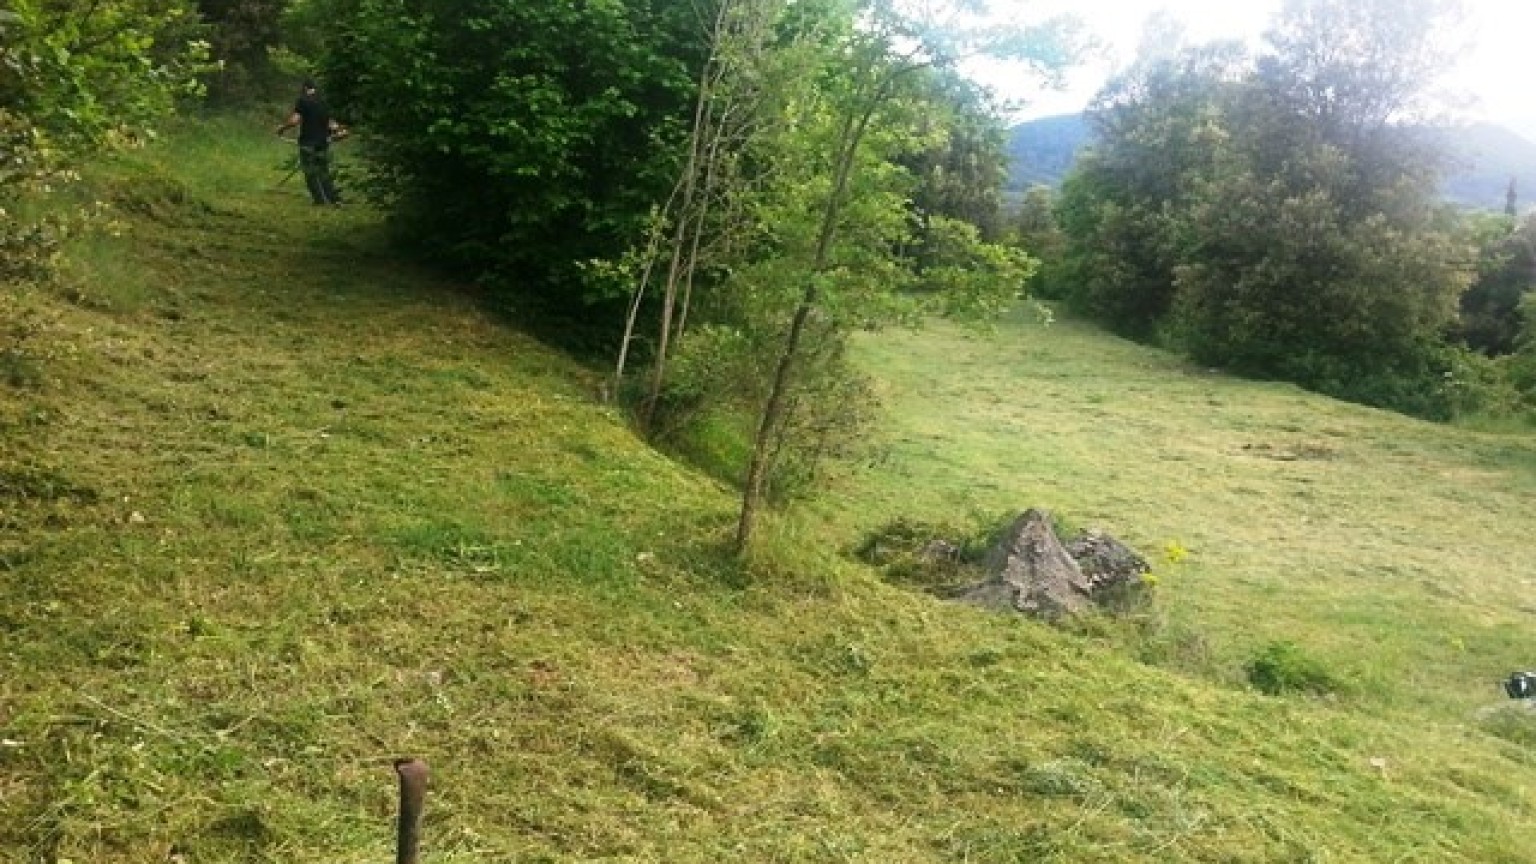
(277, 506)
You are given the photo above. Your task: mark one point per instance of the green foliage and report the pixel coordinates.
(28, 245)
(1519, 368)
(864, 113)
(972, 278)
(831, 423)
(1121, 209)
(960, 175)
(1283, 667)
(516, 140)
(1474, 385)
(1264, 215)
(243, 36)
(1033, 228)
(1506, 271)
(548, 151)
(96, 76)
(1321, 295)
(74, 81)
(713, 366)
(863, 172)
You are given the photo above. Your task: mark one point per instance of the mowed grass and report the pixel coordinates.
(1396, 550)
(277, 506)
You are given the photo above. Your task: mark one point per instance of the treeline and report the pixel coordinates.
(1273, 213)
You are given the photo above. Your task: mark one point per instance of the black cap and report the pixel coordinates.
(309, 84)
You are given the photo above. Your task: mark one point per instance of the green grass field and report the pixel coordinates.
(277, 506)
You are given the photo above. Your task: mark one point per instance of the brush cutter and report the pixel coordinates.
(342, 133)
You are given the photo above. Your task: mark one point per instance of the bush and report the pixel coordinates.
(829, 422)
(711, 367)
(1476, 385)
(1283, 667)
(71, 86)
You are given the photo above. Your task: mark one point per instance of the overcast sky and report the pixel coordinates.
(1495, 80)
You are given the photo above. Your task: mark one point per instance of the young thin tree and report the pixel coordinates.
(727, 111)
(878, 58)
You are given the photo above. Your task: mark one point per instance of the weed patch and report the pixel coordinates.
(1282, 668)
(1513, 722)
(938, 559)
(41, 484)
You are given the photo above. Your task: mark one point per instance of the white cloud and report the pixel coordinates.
(1491, 81)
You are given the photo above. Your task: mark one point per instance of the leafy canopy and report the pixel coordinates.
(1274, 213)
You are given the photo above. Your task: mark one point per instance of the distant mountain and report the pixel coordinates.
(1484, 158)
(1041, 152)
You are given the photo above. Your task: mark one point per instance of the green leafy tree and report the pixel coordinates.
(1286, 281)
(242, 35)
(1036, 231)
(1159, 128)
(1506, 271)
(961, 174)
(834, 174)
(523, 142)
(1273, 214)
(1317, 249)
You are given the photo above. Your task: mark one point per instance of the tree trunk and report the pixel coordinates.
(689, 183)
(849, 138)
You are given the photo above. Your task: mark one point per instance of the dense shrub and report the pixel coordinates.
(519, 140)
(1491, 318)
(1284, 667)
(243, 36)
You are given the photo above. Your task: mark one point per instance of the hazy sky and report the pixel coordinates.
(1496, 78)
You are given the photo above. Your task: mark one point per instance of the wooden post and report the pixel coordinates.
(413, 798)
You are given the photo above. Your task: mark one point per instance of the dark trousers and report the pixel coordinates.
(315, 162)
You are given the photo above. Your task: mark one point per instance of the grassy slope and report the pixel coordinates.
(277, 507)
(1398, 550)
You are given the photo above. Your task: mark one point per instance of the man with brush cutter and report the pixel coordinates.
(317, 129)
